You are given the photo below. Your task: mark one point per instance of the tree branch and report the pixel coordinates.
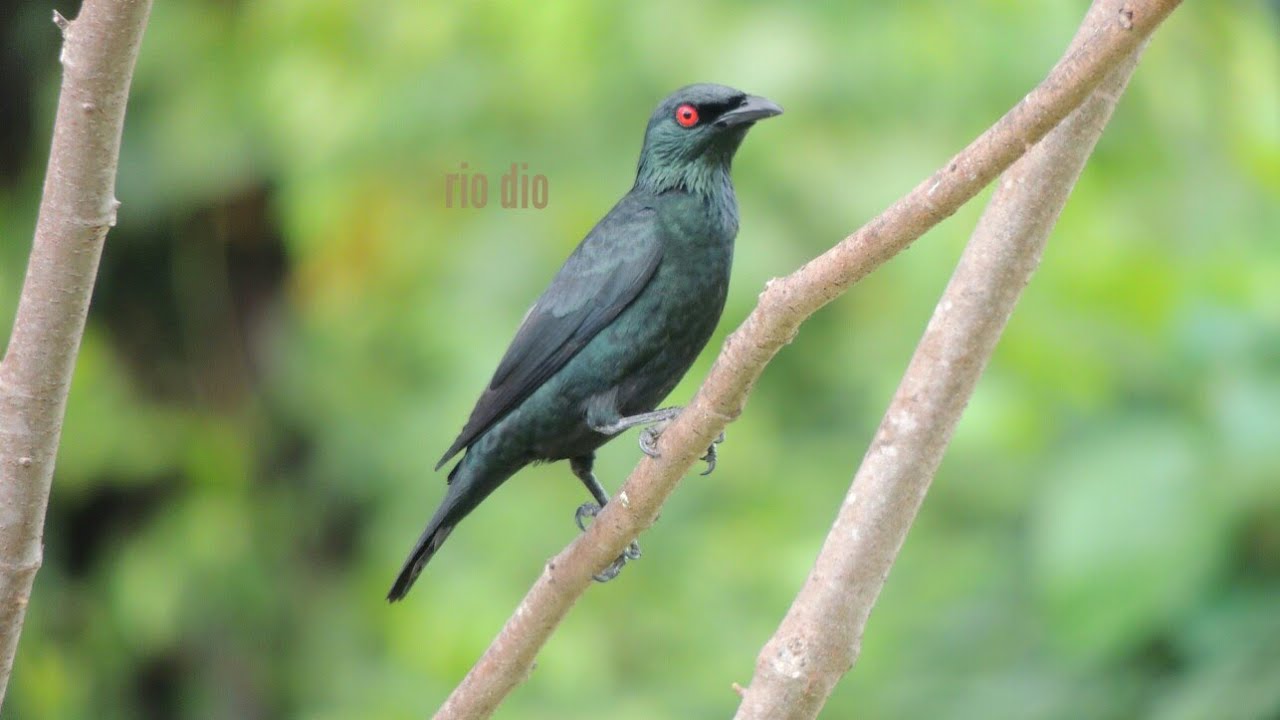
(99, 51)
(820, 638)
(784, 305)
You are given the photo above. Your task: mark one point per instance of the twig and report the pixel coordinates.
(820, 638)
(783, 305)
(98, 55)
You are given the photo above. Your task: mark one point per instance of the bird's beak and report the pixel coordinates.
(753, 108)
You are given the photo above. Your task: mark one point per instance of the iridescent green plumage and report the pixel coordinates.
(621, 322)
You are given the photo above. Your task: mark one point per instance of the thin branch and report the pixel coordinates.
(821, 636)
(783, 306)
(100, 48)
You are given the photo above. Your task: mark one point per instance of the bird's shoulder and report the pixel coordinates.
(620, 250)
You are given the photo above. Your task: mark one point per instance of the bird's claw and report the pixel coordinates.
(584, 511)
(590, 510)
(649, 445)
(649, 439)
(709, 459)
(612, 569)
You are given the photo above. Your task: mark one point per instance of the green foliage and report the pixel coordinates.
(290, 327)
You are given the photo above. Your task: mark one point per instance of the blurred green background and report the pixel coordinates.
(289, 327)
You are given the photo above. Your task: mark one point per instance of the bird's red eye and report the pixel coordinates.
(687, 115)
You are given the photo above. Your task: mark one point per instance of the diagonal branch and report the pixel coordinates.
(820, 638)
(783, 306)
(99, 50)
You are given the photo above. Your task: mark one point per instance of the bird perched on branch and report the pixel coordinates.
(620, 324)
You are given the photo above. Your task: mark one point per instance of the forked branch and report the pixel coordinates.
(783, 306)
(820, 638)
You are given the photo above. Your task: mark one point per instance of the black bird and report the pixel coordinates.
(621, 323)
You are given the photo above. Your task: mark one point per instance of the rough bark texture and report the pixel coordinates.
(99, 50)
(820, 637)
(784, 304)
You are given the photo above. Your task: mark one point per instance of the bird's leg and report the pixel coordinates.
(581, 467)
(657, 421)
(663, 416)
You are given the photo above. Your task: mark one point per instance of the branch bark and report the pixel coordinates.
(821, 636)
(784, 305)
(100, 48)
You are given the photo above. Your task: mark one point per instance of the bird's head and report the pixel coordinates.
(692, 136)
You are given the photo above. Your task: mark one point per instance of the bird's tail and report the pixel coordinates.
(470, 482)
(430, 541)
(442, 523)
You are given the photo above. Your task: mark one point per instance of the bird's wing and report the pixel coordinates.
(599, 280)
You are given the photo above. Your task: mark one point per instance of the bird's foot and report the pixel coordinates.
(590, 510)
(649, 438)
(710, 457)
(585, 511)
(649, 444)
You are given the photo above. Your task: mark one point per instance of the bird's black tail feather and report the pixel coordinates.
(432, 538)
(442, 523)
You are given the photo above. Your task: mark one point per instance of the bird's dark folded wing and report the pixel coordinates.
(599, 280)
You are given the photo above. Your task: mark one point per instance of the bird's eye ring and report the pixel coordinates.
(687, 115)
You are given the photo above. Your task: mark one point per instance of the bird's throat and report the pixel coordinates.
(707, 177)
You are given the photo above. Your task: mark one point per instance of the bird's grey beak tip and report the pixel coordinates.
(753, 108)
(765, 103)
